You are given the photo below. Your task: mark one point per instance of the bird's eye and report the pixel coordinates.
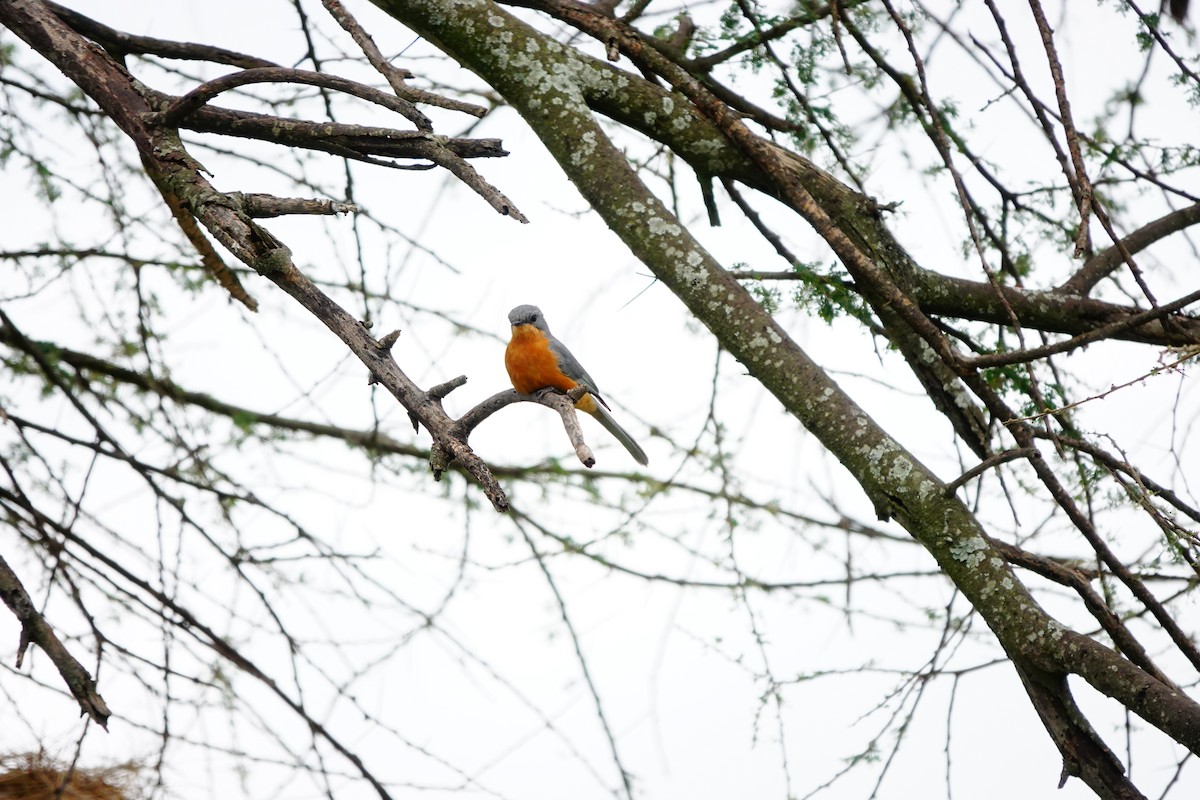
(533, 318)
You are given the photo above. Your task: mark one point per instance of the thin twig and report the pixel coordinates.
(1075, 342)
(583, 664)
(1082, 185)
(394, 75)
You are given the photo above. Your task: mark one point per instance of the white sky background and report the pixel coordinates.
(666, 663)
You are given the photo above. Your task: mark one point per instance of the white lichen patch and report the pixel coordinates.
(661, 227)
(876, 453)
(585, 149)
(901, 468)
(545, 74)
(709, 147)
(969, 550)
(695, 273)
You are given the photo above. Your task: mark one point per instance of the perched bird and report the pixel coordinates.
(536, 360)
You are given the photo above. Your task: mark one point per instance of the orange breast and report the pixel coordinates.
(531, 364)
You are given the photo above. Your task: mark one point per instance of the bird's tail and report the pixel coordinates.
(605, 418)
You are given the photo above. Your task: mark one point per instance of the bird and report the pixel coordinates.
(536, 360)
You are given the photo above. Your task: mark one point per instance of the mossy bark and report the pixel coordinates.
(556, 90)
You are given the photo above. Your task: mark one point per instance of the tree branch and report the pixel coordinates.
(35, 630)
(394, 76)
(114, 91)
(1111, 258)
(898, 484)
(205, 92)
(121, 44)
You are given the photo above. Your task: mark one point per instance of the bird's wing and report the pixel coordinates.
(573, 369)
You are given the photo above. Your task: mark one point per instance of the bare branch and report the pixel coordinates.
(205, 92)
(985, 465)
(1109, 331)
(121, 44)
(1111, 258)
(35, 630)
(263, 206)
(394, 76)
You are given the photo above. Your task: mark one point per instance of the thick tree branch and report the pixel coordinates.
(1053, 312)
(1110, 259)
(361, 142)
(209, 257)
(1084, 753)
(665, 117)
(357, 142)
(115, 92)
(896, 482)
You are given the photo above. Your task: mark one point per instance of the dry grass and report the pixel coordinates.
(38, 776)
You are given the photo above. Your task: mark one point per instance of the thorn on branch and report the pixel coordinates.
(388, 342)
(440, 391)
(385, 345)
